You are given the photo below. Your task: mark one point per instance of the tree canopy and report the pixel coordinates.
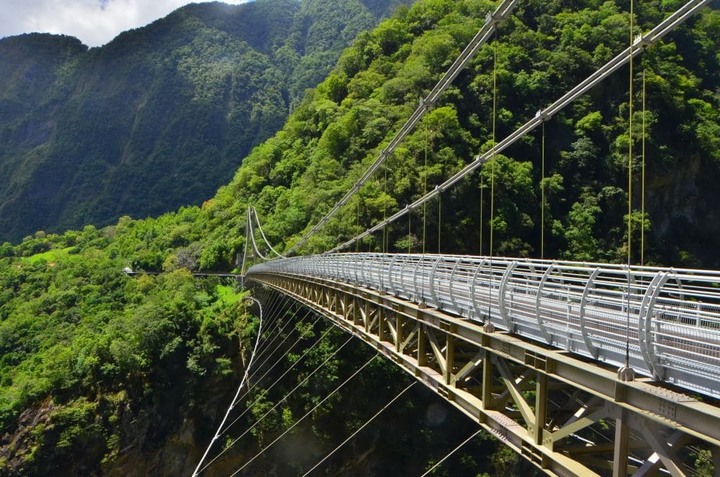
(77, 335)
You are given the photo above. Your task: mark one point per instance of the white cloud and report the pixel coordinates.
(95, 22)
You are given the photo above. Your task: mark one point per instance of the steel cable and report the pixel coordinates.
(332, 393)
(237, 393)
(654, 35)
(277, 380)
(367, 422)
(431, 469)
(305, 380)
(491, 23)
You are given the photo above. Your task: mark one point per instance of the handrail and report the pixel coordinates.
(672, 323)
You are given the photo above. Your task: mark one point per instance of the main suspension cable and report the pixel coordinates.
(256, 250)
(491, 23)
(267, 242)
(237, 393)
(663, 28)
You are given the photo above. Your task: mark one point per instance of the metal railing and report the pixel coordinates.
(666, 320)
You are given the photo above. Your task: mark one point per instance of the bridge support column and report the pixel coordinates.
(541, 388)
(366, 315)
(622, 443)
(487, 378)
(449, 358)
(357, 313)
(399, 337)
(382, 316)
(421, 347)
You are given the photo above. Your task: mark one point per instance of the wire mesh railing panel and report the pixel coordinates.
(664, 323)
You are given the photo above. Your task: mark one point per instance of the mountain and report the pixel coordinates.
(103, 373)
(161, 116)
(294, 178)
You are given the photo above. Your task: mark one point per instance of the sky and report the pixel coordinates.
(94, 22)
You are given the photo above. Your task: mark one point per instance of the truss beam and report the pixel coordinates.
(560, 435)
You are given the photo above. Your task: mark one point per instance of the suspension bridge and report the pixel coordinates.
(543, 354)
(482, 333)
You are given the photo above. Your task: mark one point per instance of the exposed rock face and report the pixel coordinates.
(177, 455)
(116, 436)
(684, 214)
(14, 446)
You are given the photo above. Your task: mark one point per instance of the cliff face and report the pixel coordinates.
(118, 435)
(144, 451)
(685, 214)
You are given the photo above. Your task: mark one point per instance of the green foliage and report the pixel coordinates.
(581, 233)
(161, 116)
(545, 49)
(704, 463)
(77, 331)
(514, 196)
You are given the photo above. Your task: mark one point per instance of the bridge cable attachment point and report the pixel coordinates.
(488, 327)
(626, 374)
(542, 115)
(490, 19)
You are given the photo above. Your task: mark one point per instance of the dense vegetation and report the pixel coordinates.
(161, 116)
(78, 336)
(541, 53)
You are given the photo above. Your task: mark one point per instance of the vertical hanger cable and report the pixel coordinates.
(542, 192)
(630, 183)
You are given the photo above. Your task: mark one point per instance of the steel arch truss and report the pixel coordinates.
(565, 414)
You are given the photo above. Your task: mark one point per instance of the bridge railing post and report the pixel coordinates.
(502, 297)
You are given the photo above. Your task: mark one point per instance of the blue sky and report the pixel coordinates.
(94, 22)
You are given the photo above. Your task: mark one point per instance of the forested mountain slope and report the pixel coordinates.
(542, 52)
(161, 116)
(103, 370)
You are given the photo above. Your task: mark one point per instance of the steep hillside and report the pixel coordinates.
(162, 115)
(542, 52)
(105, 370)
